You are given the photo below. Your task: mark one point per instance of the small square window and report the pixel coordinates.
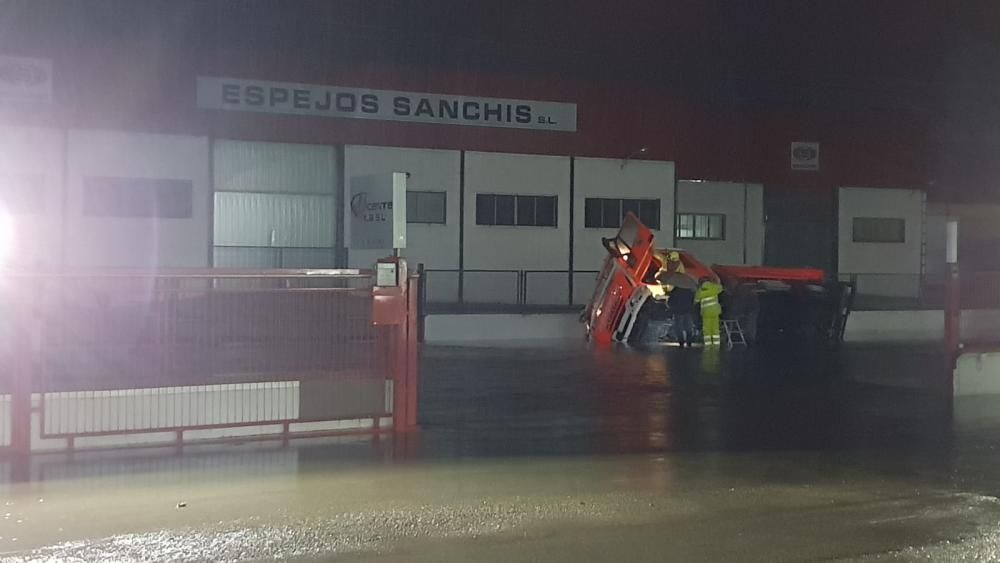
(486, 211)
(592, 213)
(526, 211)
(879, 229)
(700, 226)
(520, 210)
(649, 213)
(631, 206)
(505, 209)
(546, 210)
(426, 207)
(611, 213)
(608, 213)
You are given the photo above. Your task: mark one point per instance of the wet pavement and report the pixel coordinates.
(568, 454)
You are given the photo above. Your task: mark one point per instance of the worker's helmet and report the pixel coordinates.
(674, 256)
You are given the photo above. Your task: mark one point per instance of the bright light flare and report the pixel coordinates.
(6, 236)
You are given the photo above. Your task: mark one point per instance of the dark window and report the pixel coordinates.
(607, 213)
(526, 211)
(506, 205)
(486, 209)
(426, 207)
(611, 213)
(700, 226)
(23, 194)
(137, 197)
(546, 211)
(520, 210)
(649, 213)
(879, 229)
(631, 206)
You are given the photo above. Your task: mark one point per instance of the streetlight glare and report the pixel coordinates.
(6, 235)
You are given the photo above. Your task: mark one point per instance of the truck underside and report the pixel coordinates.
(630, 304)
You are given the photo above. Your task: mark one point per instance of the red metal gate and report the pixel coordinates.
(114, 359)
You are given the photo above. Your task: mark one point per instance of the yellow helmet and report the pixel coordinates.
(674, 256)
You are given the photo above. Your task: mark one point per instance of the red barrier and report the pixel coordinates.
(173, 356)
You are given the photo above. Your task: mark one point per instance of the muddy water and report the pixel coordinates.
(568, 454)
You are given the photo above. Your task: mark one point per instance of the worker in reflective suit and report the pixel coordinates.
(708, 297)
(670, 262)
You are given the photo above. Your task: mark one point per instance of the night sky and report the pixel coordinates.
(936, 60)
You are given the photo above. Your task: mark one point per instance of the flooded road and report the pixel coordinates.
(568, 454)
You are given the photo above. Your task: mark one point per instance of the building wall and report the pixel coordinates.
(609, 178)
(513, 247)
(434, 245)
(742, 204)
(275, 204)
(889, 268)
(137, 242)
(978, 235)
(755, 224)
(31, 194)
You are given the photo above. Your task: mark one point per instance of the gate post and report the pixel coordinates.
(405, 348)
(25, 346)
(396, 308)
(414, 297)
(953, 303)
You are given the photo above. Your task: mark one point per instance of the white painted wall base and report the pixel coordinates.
(895, 326)
(978, 374)
(458, 329)
(862, 326)
(141, 417)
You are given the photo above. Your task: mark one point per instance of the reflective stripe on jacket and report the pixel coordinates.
(708, 297)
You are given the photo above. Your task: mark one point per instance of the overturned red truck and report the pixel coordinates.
(632, 305)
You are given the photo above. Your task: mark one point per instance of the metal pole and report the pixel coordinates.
(421, 300)
(26, 335)
(952, 306)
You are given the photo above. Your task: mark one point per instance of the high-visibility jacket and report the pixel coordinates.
(667, 265)
(708, 296)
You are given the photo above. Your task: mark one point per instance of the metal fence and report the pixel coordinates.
(526, 288)
(509, 287)
(978, 290)
(174, 356)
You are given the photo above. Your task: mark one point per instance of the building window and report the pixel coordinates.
(879, 229)
(700, 226)
(426, 207)
(519, 210)
(607, 213)
(105, 196)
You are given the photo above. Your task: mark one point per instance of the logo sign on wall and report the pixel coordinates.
(387, 105)
(25, 80)
(376, 214)
(805, 156)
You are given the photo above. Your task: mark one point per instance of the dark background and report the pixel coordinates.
(936, 63)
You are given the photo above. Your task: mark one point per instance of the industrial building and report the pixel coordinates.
(125, 155)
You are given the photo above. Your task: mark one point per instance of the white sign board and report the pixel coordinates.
(376, 212)
(387, 105)
(25, 80)
(805, 156)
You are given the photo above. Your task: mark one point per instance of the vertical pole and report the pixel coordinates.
(421, 300)
(25, 336)
(461, 227)
(413, 322)
(952, 307)
(572, 226)
(404, 350)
